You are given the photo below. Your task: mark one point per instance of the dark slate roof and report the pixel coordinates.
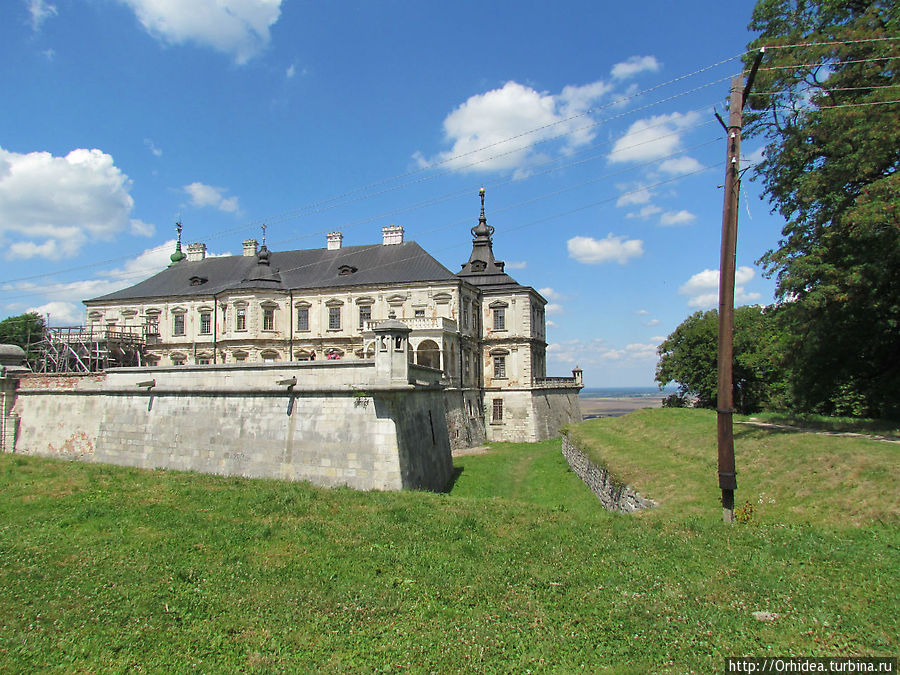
(374, 264)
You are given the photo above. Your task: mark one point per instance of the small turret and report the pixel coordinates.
(178, 255)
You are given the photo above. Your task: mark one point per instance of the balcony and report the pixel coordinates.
(419, 323)
(556, 382)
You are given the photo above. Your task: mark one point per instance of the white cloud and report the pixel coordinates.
(553, 308)
(647, 212)
(40, 11)
(598, 352)
(550, 294)
(516, 265)
(496, 130)
(635, 196)
(679, 165)
(152, 148)
(207, 195)
(651, 322)
(642, 312)
(61, 313)
(634, 65)
(52, 206)
(236, 27)
(652, 138)
(677, 218)
(290, 72)
(703, 288)
(141, 229)
(592, 251)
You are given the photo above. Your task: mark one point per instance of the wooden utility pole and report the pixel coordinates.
(725, 396)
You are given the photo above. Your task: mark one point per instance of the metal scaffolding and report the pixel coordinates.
(83, 349)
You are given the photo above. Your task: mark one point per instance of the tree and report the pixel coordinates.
(689, 356)
(25, 330)
(826, 106)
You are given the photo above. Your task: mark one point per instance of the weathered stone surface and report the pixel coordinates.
(614, 496)
(241, 421)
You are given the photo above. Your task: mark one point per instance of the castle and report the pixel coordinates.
(361, 366)
(484, 331)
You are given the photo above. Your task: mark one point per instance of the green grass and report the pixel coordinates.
(885, 428)
(107, 569)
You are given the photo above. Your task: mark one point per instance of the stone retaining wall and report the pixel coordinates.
(614, 496)
(331, 424)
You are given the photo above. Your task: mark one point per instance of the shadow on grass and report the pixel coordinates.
(457, 472)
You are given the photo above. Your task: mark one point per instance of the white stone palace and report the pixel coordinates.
(483, 331)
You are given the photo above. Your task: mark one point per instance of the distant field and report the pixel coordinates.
(516, 570)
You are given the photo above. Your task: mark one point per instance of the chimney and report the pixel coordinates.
(196, 252)
(334, 240)
(250, 247)
(392, 234)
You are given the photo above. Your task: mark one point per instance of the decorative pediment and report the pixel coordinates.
(442, 298)
(499, 351)
(396, 299)
(334, 302)
(302, 304)
(498, 304)
(365, 300)
(179, 310)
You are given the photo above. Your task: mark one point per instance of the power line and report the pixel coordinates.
(836, 42)
(830, 63)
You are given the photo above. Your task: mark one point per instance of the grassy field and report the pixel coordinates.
(106, 569)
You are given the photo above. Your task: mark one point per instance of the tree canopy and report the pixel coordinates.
(689, 357)
(826, 102)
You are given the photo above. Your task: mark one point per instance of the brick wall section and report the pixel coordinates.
(614, 496)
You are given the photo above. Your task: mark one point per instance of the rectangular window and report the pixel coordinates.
(302, 318)
(497, 410)
(240, 319)
(177, 360)
(205, 323)
(499, 366)
(420, 313)
(465, 314)
(268, 318)
(151, 326)
(500, 318)
(334, 318)
(178, 326)
(203, 361)
(365, 314)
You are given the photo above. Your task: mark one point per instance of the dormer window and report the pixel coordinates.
(198, 281)
(343, 270)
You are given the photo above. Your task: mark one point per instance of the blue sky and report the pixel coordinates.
(589, 124)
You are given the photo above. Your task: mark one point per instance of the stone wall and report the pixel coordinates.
(465, 418)
(614, 495)
(531, 414)
(332, 423)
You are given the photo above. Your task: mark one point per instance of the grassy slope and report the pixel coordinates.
(104, 568)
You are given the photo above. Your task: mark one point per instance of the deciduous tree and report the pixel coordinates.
(825, 101)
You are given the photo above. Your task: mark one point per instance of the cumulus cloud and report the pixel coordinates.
(702, 288)
(208, 195)
(652, 138)
(480, 129)
(60, 313)
(646, 212)
(52, 206)
(236, 27)
(592, 251)
(516, 265)
(677, 218)
(549, 293)
(634, 65)
(679, 165)
(635, 196)
(598, 352)
(40, 11)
